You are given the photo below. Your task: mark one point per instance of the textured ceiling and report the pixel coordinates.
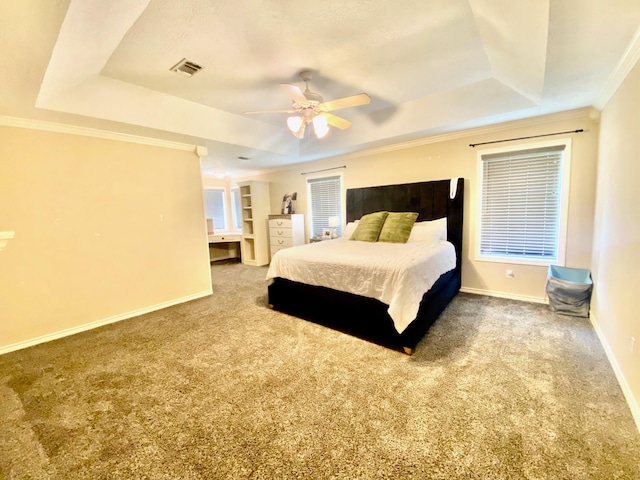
(429, 66)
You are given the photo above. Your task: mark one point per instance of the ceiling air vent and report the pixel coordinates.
(186, 68)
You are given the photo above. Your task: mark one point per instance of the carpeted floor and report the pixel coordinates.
(223, 387)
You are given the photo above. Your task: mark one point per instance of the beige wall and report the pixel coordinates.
(102, 229)
(616, 248)
(454, 158)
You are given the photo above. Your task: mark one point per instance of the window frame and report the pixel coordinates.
(224, 208)
(234, 210)
(565, 179)
(342, 209)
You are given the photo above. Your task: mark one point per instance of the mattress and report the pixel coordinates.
(397, 274)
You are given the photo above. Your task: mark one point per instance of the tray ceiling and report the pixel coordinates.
(429, 66)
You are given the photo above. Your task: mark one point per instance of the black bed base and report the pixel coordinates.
(362, 317)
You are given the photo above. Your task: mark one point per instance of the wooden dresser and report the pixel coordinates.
(286, 230)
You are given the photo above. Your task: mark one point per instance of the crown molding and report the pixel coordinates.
(466, 133)
(92, 132)
(625, 64)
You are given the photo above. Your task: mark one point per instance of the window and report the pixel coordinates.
(523, 203)
(236, 209)
(325, 200)
(214, 206)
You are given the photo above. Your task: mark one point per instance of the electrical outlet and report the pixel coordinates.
(632, 345)
(510, 274)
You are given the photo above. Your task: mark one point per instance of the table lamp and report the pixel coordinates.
(333, 223)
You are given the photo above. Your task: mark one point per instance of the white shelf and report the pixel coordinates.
(255, 238)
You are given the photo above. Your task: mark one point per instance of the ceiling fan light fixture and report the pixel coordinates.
(320, 133)
(320, 126)
(300, 133)
(294, 123)
(320, 121)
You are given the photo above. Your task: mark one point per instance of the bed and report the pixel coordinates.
(363, 316)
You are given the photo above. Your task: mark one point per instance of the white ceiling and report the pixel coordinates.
(429, 66)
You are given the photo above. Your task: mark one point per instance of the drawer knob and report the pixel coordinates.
(280, 242)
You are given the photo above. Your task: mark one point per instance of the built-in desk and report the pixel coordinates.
(223, 246)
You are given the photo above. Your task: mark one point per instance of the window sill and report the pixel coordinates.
(520, 261)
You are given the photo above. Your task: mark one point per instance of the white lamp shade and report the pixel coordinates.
(334, 222)
(320, 126)
(319, 121)
(321, 132)
(294, 123)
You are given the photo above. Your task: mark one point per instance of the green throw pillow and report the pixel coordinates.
(369, 227)
(397, 227)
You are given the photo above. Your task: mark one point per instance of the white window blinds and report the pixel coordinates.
(214, 207)
(325, 201)
(521, 203)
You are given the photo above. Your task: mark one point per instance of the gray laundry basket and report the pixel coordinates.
(569, 290)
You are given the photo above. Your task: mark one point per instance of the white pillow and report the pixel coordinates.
(430, 231)
(349, 229)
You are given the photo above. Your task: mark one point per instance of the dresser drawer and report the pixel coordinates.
(279, 223)
(283, 242)
(285, 231)
(280, 232)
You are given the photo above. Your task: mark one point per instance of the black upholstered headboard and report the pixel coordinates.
(430, 199)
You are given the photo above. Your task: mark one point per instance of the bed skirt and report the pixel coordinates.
(363, 317)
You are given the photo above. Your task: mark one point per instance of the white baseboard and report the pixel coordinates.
(98, 323)
(633, 403)
(511, 296)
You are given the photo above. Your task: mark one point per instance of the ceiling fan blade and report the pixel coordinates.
(270, 111)
(336, 121)
(294, 92)
(352, 101)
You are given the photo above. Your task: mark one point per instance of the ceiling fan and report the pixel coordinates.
(309, 107)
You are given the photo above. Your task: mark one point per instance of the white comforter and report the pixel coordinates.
(397, 274)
